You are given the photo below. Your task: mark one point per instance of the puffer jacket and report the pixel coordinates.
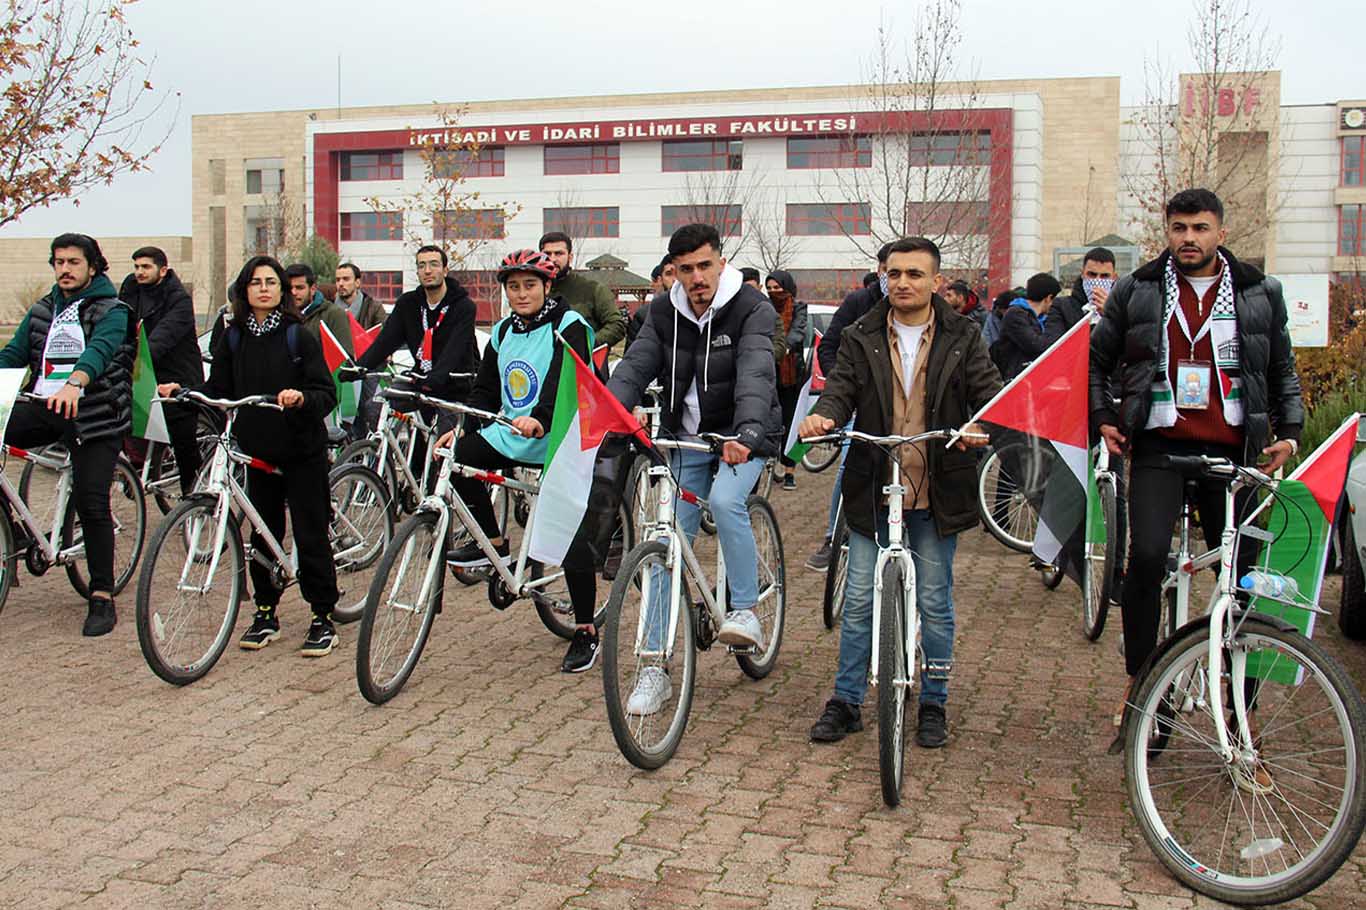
(1125, 344)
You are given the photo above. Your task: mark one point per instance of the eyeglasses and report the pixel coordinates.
(264, 283)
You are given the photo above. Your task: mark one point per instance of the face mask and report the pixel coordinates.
(1090, 284)
(882, 282)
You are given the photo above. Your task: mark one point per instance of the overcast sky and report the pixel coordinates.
(254, 55)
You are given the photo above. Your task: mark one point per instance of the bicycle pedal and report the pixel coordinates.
(741, 649)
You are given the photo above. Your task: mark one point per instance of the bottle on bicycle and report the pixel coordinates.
(256, 356)
(78, 344)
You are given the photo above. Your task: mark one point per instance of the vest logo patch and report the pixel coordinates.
(520, 383)
(720, 341)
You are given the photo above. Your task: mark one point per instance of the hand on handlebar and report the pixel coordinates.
(1115, 441)
(814, 425)
(971, 436)
(528, 426)
(167, 389)
(734, 453)
(290, 398)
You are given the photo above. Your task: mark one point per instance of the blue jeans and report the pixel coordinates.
(725, 488)
(933, 557)
(839, 487)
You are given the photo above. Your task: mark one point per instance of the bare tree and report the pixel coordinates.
(767, 228)
(924, 169)
(1207, 130)
(76, 102)
(271, 227)
(723, 199)
(443, 211)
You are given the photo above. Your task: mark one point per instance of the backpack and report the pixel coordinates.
(291, 341)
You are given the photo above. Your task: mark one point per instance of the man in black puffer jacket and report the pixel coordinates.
(160, 302)
(710, 346)
(1198, 346)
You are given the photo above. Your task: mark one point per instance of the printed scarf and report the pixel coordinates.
(271, 323)
(1222, 326)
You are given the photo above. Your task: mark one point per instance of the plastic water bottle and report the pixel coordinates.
(1269, 584)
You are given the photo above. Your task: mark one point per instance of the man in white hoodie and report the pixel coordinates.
(712, 354)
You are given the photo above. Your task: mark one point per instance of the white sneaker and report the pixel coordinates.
(653, 689)
(742, 629)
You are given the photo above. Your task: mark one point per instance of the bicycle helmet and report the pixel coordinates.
(532, 261)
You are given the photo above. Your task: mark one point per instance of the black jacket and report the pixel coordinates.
(960, 379)
(107, 404)
(453, 345)
(263, 366)
(731, 358)
(167, 313)
(796, 338)
(851, 309)
(1022, 339)
(1126, 341)
(1066, 310)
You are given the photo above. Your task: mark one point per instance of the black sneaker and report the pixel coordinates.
(582, 653)
(101, 618)
(471, 555)
(820, 560)
(789, 482)
(322, 638)
(838, 720)
(932, 730)
(265, 628)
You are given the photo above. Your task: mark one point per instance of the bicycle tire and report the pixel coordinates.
(409, 554)
(366, 452)
(643, 750)
(771, 611)
(1332, 799)
(1098, 581)
(9, 556)
(361, 527)
(127, 507)
(161, 456)
(821, 456)
(554, 608)
(1003, 502)
(156, 610)
(836, 574)
(25, 483)
(893, 667)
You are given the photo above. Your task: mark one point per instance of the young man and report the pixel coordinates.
(909, 365)
(964, 301)
(1022, 338)
(160, 302)
(78, 346)
(1194, 309)
(369, 313)
(315, 310)
(1091, 289)
(710, 346)
(591, 300)
(661, 279)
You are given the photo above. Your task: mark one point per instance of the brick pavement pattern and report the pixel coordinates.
(492, 780)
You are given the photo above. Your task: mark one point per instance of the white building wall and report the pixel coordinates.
(1306, 224)
(1026, 218)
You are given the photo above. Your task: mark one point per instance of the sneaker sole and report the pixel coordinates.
(258, 645)
(739, 640)
(318, 652)
(838, 736)
(585, 668)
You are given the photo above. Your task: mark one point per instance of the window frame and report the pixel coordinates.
(848, 154)
(608, 215)
(727, 227)
(608, 153)
(380, 289)
(861, 210)
(723, 155)
(469, 230)
(1360, 170)
(488, 161)
(388, 165)
(347, 231)
(1357, 224)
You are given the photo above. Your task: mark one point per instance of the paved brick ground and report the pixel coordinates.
(493, 781)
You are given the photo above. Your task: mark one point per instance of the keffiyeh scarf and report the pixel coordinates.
(1222, 326)
(270, 324)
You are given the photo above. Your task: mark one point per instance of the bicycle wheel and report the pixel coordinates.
(128, 510)
(1004, 500)
(771, 610)
(821, 456)
(188, 596)
(397, 619)
(366, 452)
(9, 556)
(41, 501)
(1101, 565)
(640, 493)
(640, 654)
(1273, 824)
(622, 541)
(894, 681)
(836, 574)
(361, 527)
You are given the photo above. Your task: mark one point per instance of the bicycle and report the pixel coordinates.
(1242, 811)
(1102, 566)
(180, 633)
(406, 593)
(1011, 484)
(896, 652)
(837, 570)
(635, 618)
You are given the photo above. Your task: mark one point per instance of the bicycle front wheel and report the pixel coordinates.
(894, 681)
(361, 527)
(188, 594)
(397, 617)
(9, 556)
(836, 574)
(552, 601)
(1100, 565)
(821, 456)
(128, 511)
(1004, 499)
(1273, 824)
(647, 672)
(771, 609)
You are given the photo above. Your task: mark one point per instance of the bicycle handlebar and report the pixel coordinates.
(452, 407)
(1197, 467)
(225, 404)
(712, 442)
(860, 436)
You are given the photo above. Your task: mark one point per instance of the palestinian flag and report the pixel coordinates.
(600, 358)
(334, 355)
(149, 422)
(1297, 524)
(817, 374)
(361, 339)
(584, 413)
(1039, 424)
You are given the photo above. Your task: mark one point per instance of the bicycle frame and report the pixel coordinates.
(388, 440)
(46, 542)
(895, 550)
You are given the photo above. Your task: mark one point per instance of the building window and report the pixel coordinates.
(584, 222)
(1350, 237)
(583, 159)
(727, 219)
(704, 155)
(950, 148)
(266, 180)
(830, 151)
(827, 285)
(372, 226)
(937, 219)
(218, 176)
(487, 162)
(822, 220)
(471, 224)
(1353, 155)
(383, 286)
(484, 289)
(372, 166)
(263, 227)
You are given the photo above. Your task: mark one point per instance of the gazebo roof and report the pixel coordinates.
(611, 271)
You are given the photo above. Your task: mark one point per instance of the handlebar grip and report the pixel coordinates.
(1191, 467)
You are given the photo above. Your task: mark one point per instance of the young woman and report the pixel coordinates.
(782, 293)
(263, 350)
(518, 377)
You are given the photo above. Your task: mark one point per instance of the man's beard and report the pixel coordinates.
(1187, 269)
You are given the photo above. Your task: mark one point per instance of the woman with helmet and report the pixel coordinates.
(517, 377)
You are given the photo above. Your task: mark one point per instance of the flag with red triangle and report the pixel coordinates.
(334, 355)
(361, 339)
(817, 374)
(1038, 425)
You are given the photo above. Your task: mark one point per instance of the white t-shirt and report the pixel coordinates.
(908, 342)
(1201, 285)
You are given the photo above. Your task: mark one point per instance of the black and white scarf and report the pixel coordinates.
(1222, 326)
(266, 326)
(526, 324)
